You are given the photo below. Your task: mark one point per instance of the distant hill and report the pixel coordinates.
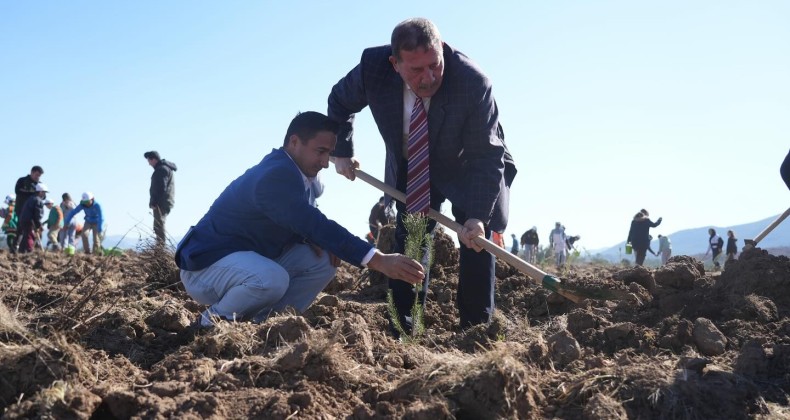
(694, 241)
(127, 242)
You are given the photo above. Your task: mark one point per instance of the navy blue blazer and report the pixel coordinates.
(470, 164)
(265, 210)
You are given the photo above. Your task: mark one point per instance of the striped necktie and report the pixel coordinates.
(418, 186)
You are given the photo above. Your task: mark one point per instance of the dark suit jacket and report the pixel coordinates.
(265, 210)
(469, 162)
(639, 233)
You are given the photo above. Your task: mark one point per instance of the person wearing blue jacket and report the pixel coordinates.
(263, 245)
(94, 222)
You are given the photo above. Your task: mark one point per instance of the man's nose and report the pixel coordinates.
(428, 76)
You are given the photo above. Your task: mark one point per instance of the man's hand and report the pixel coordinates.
(397, 266)
(471, 229)
(346, 167)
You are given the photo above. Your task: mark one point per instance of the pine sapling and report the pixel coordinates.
(419, 246)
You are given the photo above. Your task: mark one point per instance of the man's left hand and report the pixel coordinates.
(471, 229)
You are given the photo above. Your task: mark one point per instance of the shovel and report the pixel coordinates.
(548, 281)
(751, 243)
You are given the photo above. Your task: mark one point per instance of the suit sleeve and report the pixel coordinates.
(282, 199)
(345, 100)
(484, 154)
(784, 170)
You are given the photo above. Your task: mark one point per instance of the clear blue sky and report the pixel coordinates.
(679, 107)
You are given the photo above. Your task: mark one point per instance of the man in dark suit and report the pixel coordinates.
(264, 245)
(469, 164)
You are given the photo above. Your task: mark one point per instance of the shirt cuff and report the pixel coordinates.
(368, 257)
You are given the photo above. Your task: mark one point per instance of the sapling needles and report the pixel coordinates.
(419, 246)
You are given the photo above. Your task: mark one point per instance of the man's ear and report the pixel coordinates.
(292, 139)
(394, 62)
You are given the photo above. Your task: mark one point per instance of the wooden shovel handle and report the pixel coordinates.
(771, 227)
(535, 273)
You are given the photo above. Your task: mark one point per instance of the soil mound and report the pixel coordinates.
(110, 337)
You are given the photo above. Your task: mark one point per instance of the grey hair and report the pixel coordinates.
(415, 33)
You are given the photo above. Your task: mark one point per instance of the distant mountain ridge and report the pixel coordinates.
(695, 241)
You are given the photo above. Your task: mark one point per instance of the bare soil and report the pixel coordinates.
(109, 337)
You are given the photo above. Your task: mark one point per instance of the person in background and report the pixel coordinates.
(10, 220)
(732, 247)
(26, 187)
(514, 248)
(54, 224)
(570, 240)
(650, 246)
(30, 220)
(715, 245)
(67, 234)
(498, 239)
(94, 222)
(263, 246)
(421, 92)
(557, 241)
(162, 192)
(377, 219)
(664, 248)
(639, 234)
(530, 241)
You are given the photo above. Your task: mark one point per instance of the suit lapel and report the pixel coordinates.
(436, 117)
(393, 103)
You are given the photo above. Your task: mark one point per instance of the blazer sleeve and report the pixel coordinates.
(483, 155)
(345, 100)
(281, 197)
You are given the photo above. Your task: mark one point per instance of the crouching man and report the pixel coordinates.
(264, 245)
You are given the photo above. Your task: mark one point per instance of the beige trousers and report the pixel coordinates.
(91, 227)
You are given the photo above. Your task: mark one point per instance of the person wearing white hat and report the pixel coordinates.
(30, 220)
(94, 221)
(54, 224)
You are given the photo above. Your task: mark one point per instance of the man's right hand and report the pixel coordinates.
(397, 266)
(346, 167)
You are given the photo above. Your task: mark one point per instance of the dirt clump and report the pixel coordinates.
(111, 337)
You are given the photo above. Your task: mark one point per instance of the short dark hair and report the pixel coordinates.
(37, 169)
(415, 33)
(66, 196)
(153, 154)
(307, 124)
